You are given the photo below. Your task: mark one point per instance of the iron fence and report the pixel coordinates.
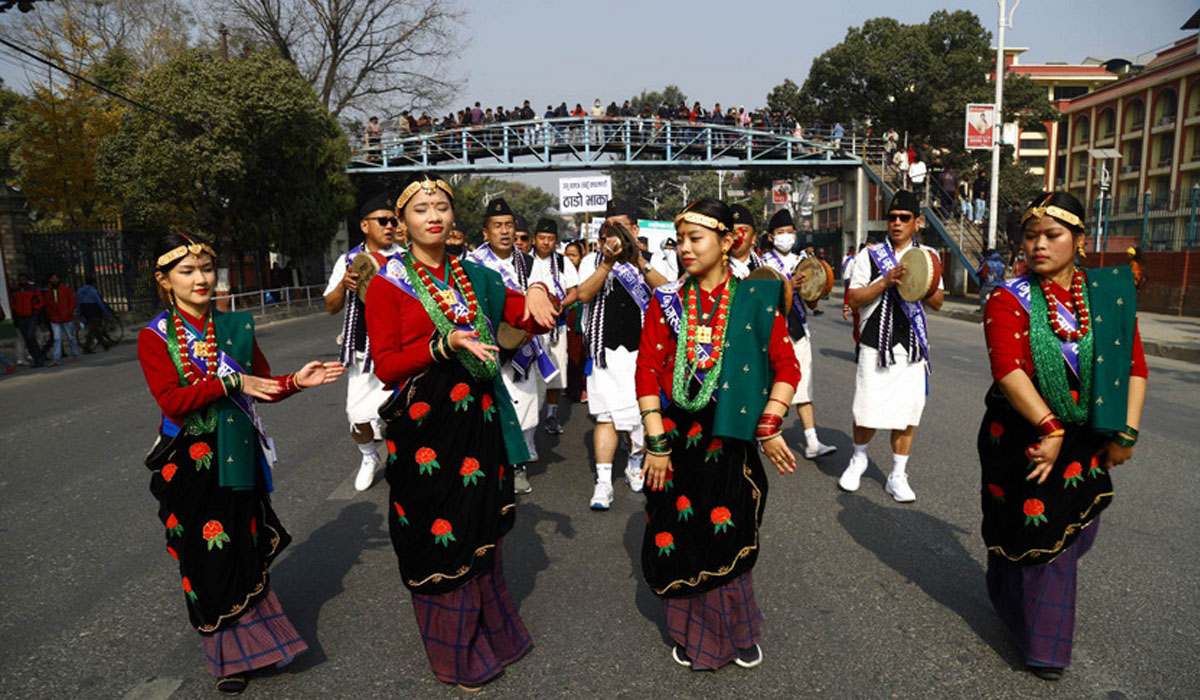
(1161, 220)
(119, 263)
(262, 301)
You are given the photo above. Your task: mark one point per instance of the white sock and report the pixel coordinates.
(529, 440)
(604, 473)
(810, 437)
(552, 410)
(368, 449)
(899, 463)
(860, 452)
(634, 464)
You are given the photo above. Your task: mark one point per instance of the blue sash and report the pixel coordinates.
(633, 282)
(672, 309)
(226, 366)
(885, 259)
(775, 260)
(530, 352)
(1019, 287)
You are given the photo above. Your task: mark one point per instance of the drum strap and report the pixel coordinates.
(885, 260)
(354, 325)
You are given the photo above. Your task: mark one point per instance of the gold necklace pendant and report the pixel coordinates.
(704, 334)
(447, 297)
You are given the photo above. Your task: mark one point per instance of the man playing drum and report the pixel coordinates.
(783, 234)
(893, 345)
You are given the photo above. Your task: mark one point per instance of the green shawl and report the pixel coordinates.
(1113, 306)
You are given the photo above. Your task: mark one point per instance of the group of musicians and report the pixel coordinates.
(451, 357)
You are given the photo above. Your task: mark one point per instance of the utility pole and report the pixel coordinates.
(998, 127)
(224, 42)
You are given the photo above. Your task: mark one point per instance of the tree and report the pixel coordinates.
(787, 98)
(664, 188)
(11, 104)
(470, 194)
(240, 151)
(359, 55)
(671, 94)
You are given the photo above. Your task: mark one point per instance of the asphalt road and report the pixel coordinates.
(863, 597)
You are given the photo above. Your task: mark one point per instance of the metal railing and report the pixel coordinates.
(1162, 220)
(602, 142)
(263, 301)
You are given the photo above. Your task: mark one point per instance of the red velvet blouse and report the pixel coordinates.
(178, 401)
(1006, 326)
(656, 354)
(399, 328)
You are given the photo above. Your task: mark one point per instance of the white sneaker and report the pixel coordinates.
(897, 486)
(633, 473)
(366, 472)
(602, 497)
(818, 450)
(852, 477)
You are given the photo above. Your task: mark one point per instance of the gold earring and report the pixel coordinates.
(1079, 249)
(725, 258)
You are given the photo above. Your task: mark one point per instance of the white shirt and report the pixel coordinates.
(339, 268)
(666, 263)
(789, 261)
(916, 171)
(860, 276)
(567, 279)
(506, 264)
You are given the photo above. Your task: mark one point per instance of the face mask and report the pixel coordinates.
(784, 242)
(455, 249)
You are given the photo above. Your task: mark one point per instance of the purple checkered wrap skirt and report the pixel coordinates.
(263, 636)
(1037, 603)
(712, 626)
(472, 633)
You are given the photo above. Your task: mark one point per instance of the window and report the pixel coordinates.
(1166, 148)
(1066, 92)
(1132, 161)
(1108, 123)
(1082, 131)
(1135, 116)
(1168, 105)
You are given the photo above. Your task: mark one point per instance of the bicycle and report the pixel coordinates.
(111, 331)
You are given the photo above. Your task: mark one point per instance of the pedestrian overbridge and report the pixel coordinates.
(599, 143)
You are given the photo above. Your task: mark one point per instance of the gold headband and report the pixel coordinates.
(693, 217)
(184, 250)
(1057, 212)
(428, 186)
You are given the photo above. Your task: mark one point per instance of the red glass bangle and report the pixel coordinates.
(781, 403)
(1049, 427)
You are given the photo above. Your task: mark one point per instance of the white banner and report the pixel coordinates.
(980, 126)
(590, 193)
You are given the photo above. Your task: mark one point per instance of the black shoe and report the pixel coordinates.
(1047, 673)
(231, 685)
(749, 658)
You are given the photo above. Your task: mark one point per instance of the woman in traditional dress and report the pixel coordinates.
(1070, 382)
(576, 349)
(211, 464)
(717, 350)
(453, 436)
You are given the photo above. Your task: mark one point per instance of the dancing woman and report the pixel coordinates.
(1066, 405)
(718, 350)
(453, 436)
(211, 470)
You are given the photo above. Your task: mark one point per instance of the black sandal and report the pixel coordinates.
(1047, 673)
(232, 685)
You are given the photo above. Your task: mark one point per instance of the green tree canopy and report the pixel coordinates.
(671, 94)
(470, 194)
(241, 151)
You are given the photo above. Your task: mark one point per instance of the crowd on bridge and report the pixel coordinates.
(456, 358)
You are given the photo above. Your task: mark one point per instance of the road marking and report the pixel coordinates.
(154, 689)
(960, 357)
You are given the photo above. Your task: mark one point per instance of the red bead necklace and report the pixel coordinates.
(719, 325)
(443, 297)
(205, 350)
(1081, 311)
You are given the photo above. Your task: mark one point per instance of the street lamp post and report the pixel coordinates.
(998, 127)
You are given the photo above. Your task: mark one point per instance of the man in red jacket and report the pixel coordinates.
(61, 307)
(26, 302)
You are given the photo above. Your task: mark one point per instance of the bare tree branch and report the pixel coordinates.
(360, 55)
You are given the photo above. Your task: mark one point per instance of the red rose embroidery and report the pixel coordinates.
(460, 394)
(500, 476)
(683, 506)
(254, 531)
(400, 515)
(427, 461)
(442, 531)
(694, 434)
(201, 454)
(173, 526)
(1073, 474)
(168, 471)
(669, 428)
(996, 491)
(485, 404)
(715, 448)
(418, 411)
(995, 432)
(187, 588)
(1094, 467)
(721, 519)
(215, 535)
(470, 471)
(1035, 512)
(172, 552)
(665, 543)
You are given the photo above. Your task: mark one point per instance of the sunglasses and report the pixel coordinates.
(522, 238)
(384, 220)
(899, 216)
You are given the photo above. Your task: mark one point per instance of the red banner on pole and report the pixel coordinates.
(980, 127)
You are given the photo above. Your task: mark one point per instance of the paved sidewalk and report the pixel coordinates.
(1163, 335)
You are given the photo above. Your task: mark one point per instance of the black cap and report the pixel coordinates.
(620, 207)
(520, 224)
(497, 207)
(380, 202)
(781, 218)
(904, 200)
(741, 215)
(547, 226)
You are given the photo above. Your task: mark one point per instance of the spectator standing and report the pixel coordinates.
(1015, 230)
(61, 308)
(916, 175)
(991, 274)
(979, 192)
(890, 139)
(900, 160)
(839, 132)
(94, 311)
(476, 115)
(597, 108)
(27, 303)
